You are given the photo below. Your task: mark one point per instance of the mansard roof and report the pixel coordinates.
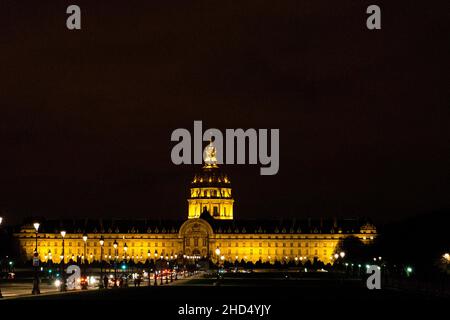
(291, 226)
(280, 226)
(107, 225)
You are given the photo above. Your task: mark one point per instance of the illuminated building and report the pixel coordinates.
(210, 225)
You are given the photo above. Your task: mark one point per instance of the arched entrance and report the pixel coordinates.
(196, 234)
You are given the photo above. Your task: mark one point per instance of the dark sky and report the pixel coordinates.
(86, 116)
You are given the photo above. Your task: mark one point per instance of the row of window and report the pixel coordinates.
(95, 244)
(188, 242)
(210, 193)
(277, 244)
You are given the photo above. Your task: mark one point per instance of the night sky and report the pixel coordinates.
(86, 116)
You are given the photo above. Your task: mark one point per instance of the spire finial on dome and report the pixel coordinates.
(209, 156)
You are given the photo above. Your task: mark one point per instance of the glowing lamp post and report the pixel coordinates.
(217, 251)
(149, 269)
(125, 250)
(85, 237)
(115, 244)
(63, 286)
(154, 269)
(102, 243)
(84, 284)
(36, 289)
(217, 255)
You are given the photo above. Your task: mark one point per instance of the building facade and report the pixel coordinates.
(210, 226)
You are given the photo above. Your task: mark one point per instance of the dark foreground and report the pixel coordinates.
(319, 295)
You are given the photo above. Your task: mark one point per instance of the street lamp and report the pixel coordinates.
(342, 254)
(63, 273)
(154, 269)
(217, 251)
(115, 263)
(126, 258)
(36, 289)
(125, 250)
(217, 255)
(102, 243)
(149, 269)
(85, 237)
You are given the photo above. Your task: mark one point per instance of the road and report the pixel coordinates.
(22, 288)
(287, 295)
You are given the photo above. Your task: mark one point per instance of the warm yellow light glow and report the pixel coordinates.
(218, 251)
(36, 226)
(342, 254)
(63, 233)
(85, 237)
